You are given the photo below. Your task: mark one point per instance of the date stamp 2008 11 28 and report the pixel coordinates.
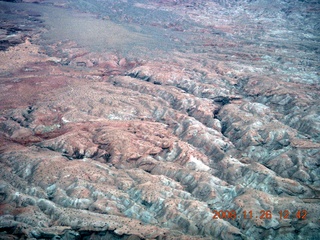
(264, 214)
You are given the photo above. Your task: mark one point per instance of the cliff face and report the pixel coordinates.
(159, 120)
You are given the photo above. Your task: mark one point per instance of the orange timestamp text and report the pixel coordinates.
(264, 214)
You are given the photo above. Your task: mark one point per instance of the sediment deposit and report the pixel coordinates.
(157, 117)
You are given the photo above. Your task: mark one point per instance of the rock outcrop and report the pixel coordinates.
(214, 137)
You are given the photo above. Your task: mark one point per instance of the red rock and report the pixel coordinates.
(213, 110)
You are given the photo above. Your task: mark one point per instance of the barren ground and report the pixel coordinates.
(154, 119)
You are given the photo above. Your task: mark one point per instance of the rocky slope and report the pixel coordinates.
(164, 120)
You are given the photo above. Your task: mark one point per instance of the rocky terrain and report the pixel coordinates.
(155, 119)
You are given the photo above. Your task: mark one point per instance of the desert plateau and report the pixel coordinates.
(160, 119)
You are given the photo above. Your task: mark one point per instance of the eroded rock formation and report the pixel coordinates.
(152, 144)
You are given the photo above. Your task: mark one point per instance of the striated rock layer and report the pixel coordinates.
(159, 120)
